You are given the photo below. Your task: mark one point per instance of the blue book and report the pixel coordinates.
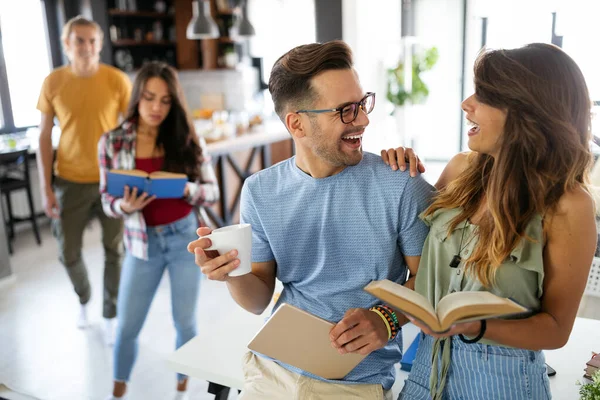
(409, 355)
(163, 185)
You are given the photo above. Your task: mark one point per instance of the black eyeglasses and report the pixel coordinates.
(349, 112)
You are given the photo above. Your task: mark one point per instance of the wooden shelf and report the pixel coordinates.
(133, 42)
(224, 39)
(115, 12)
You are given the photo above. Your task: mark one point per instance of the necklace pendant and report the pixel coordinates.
(455, 261)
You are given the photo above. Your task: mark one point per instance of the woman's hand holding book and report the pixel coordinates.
(469, 329)
(131, 202)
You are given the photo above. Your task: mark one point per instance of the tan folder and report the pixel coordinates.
(300, 339)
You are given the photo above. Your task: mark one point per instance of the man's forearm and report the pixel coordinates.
(44, 161)
(250, 292)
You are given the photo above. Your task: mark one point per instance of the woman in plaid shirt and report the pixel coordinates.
(157, 135)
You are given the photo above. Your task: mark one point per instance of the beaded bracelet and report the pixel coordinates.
(387, 325)
(393, 314)
(395, 325)
(389, 320)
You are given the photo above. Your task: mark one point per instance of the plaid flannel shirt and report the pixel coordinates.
(116, 150)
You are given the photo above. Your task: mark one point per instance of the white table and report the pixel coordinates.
(569, 361)
(215, 354)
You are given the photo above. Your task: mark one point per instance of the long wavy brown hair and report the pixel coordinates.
(544, 150)
(176, 134)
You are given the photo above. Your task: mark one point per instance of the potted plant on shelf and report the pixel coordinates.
(402, 95)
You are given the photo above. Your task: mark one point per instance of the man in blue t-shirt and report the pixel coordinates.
(325, 223)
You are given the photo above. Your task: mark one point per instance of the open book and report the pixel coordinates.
(453, 308)
(162, 184)
(300, 339)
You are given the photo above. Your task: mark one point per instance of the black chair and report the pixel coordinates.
(14, 175)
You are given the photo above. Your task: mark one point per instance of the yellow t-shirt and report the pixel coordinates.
(85, 108)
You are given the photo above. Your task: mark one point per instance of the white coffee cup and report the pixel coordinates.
(234, 237)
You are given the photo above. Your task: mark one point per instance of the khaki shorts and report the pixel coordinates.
(267, 380)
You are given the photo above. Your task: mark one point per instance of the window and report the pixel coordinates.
(578, 26)
(576, 23)
(26, 60)
(277, 33)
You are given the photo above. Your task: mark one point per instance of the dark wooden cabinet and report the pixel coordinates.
(140, 31)
(137, 31)
(223, 52)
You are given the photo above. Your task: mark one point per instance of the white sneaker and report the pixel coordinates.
(110, 326)
(82, 320)
(180, 396)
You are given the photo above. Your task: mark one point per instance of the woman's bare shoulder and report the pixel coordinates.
(575, 210)
(456, 166)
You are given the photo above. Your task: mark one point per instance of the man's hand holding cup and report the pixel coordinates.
(224, 252)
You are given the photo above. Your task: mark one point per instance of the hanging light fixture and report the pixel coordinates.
(242, 26)
(202, 26)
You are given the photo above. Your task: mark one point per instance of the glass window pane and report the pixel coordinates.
(26, 56)
(276, 33)
(578, 25)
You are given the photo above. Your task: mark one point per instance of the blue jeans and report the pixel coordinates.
(167, 249)
(480, 371)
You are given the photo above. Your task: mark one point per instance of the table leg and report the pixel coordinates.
(221, 392)
(222, 160)
(266, 156)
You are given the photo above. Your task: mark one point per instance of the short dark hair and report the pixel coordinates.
(290, 81)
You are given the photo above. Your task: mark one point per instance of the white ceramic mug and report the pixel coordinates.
(234, 237)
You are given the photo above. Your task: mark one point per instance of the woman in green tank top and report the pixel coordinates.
(513, 217)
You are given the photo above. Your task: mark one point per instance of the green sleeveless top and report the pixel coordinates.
(520, 277)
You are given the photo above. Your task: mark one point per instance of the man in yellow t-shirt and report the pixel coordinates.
(87, 98)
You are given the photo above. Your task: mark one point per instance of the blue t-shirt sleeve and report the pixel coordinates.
(261, 249)
(416, 197)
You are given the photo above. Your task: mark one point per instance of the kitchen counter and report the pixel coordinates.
(266, 133)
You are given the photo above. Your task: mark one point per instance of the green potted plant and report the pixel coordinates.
(396, 89)
(591, 391)
(403, 99)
